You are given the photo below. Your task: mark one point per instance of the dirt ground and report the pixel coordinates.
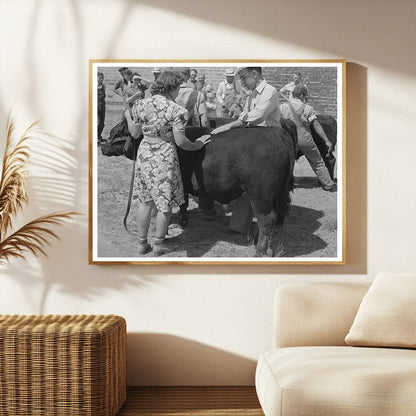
(310, 229)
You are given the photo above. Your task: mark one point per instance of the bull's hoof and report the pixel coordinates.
(278, 250)
(260, 253)
(332, 188)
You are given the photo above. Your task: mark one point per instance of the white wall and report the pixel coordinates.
(207, 324)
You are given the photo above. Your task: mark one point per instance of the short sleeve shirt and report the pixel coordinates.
(305, 111)
(160, 116)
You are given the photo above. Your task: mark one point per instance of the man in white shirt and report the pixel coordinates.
(261, 109)
(262, 106)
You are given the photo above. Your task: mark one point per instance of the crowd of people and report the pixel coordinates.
(161, 108)
(226, 101)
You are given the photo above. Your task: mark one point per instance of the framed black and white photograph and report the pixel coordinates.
(217, 162)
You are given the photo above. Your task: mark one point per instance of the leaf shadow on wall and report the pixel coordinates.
(60, 182)
(53, 187)
(163, 359)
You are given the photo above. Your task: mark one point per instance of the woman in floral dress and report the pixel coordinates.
(158, 179)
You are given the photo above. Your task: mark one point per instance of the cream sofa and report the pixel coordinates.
(311, 371)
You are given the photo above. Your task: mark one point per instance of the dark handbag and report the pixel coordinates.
(120, 142)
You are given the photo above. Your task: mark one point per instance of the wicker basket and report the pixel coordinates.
(71, 365)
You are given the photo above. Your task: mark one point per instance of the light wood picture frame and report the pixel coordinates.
(314, 227)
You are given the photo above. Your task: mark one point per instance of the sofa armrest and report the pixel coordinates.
(309, 314)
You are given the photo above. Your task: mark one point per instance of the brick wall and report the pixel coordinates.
(321, 82)
(111, 76)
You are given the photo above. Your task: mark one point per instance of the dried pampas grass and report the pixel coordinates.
(34, 236)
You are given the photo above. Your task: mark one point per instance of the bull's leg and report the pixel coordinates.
(266, 224)
(266, 219)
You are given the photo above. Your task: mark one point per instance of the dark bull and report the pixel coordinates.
(257, 160)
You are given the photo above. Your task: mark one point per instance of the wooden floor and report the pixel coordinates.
(187, 401)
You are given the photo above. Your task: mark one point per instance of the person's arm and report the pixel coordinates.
(210, 105)
(319, 129)
(229, 126)
(283, 96)
(202, 110)
(146, 81)
(204, 120)
(220, 92)
(116, 89)
(184, 143)
(135, 129)
(132, 98)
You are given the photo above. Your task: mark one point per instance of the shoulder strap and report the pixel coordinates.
(190, 105)
(295, 114)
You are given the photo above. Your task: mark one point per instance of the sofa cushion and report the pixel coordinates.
(315, 314)
(387, 314)
(304, 381)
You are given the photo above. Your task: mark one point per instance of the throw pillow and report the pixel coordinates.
(387, 314)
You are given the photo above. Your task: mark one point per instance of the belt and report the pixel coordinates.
(157, 139)
(154, 130)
